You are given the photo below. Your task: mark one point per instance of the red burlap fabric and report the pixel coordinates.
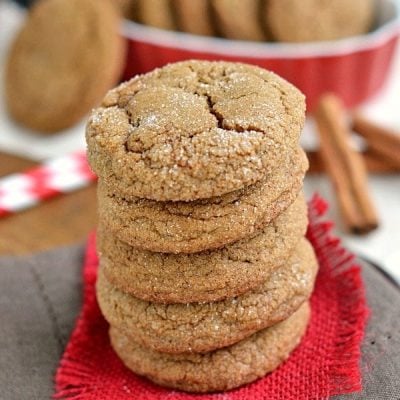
(325, 363)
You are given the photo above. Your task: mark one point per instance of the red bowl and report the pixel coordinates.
(354, 68)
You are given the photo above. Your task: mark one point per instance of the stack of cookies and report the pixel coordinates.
(205, 273)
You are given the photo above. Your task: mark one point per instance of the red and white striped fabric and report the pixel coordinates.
(59, 175)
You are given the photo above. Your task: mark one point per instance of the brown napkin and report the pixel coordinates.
(40, 298)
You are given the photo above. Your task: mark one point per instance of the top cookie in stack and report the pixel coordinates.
(196, 155)
(194, 130)
(201, 220)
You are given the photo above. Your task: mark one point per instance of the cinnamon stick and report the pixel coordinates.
(345, 166)
(380, 140)
(377, 163)
(374, 162)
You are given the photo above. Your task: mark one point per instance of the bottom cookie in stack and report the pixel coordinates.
(222, 369)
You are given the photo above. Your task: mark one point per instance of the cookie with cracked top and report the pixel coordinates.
(222, 369)
(194, 130)
(205, 276)
(62, 62)
(190, 227)
(202, 327)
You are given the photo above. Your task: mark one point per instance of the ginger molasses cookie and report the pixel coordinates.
(190, 227)
(66, 56)
(315, 20)
(194, 130)
(239, 19)
(194, 16)
(206, 276)
(202, 327)
(157, 13)
(222, 369)
(127, 8)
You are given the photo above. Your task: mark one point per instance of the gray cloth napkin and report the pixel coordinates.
(40, 297)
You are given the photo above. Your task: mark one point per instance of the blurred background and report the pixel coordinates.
(348, 49)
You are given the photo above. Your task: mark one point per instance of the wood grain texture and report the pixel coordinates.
(60, 221)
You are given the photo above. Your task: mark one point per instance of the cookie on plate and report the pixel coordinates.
(190, 227)
(193, 130)
(128, 8)
(202, 327)
(194, 16)
(205, 276)
(62, 62)
(157, 13)
(223, 369)
(239, 19)
(316, 20)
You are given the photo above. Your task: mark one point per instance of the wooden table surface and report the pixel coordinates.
(60, 221)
